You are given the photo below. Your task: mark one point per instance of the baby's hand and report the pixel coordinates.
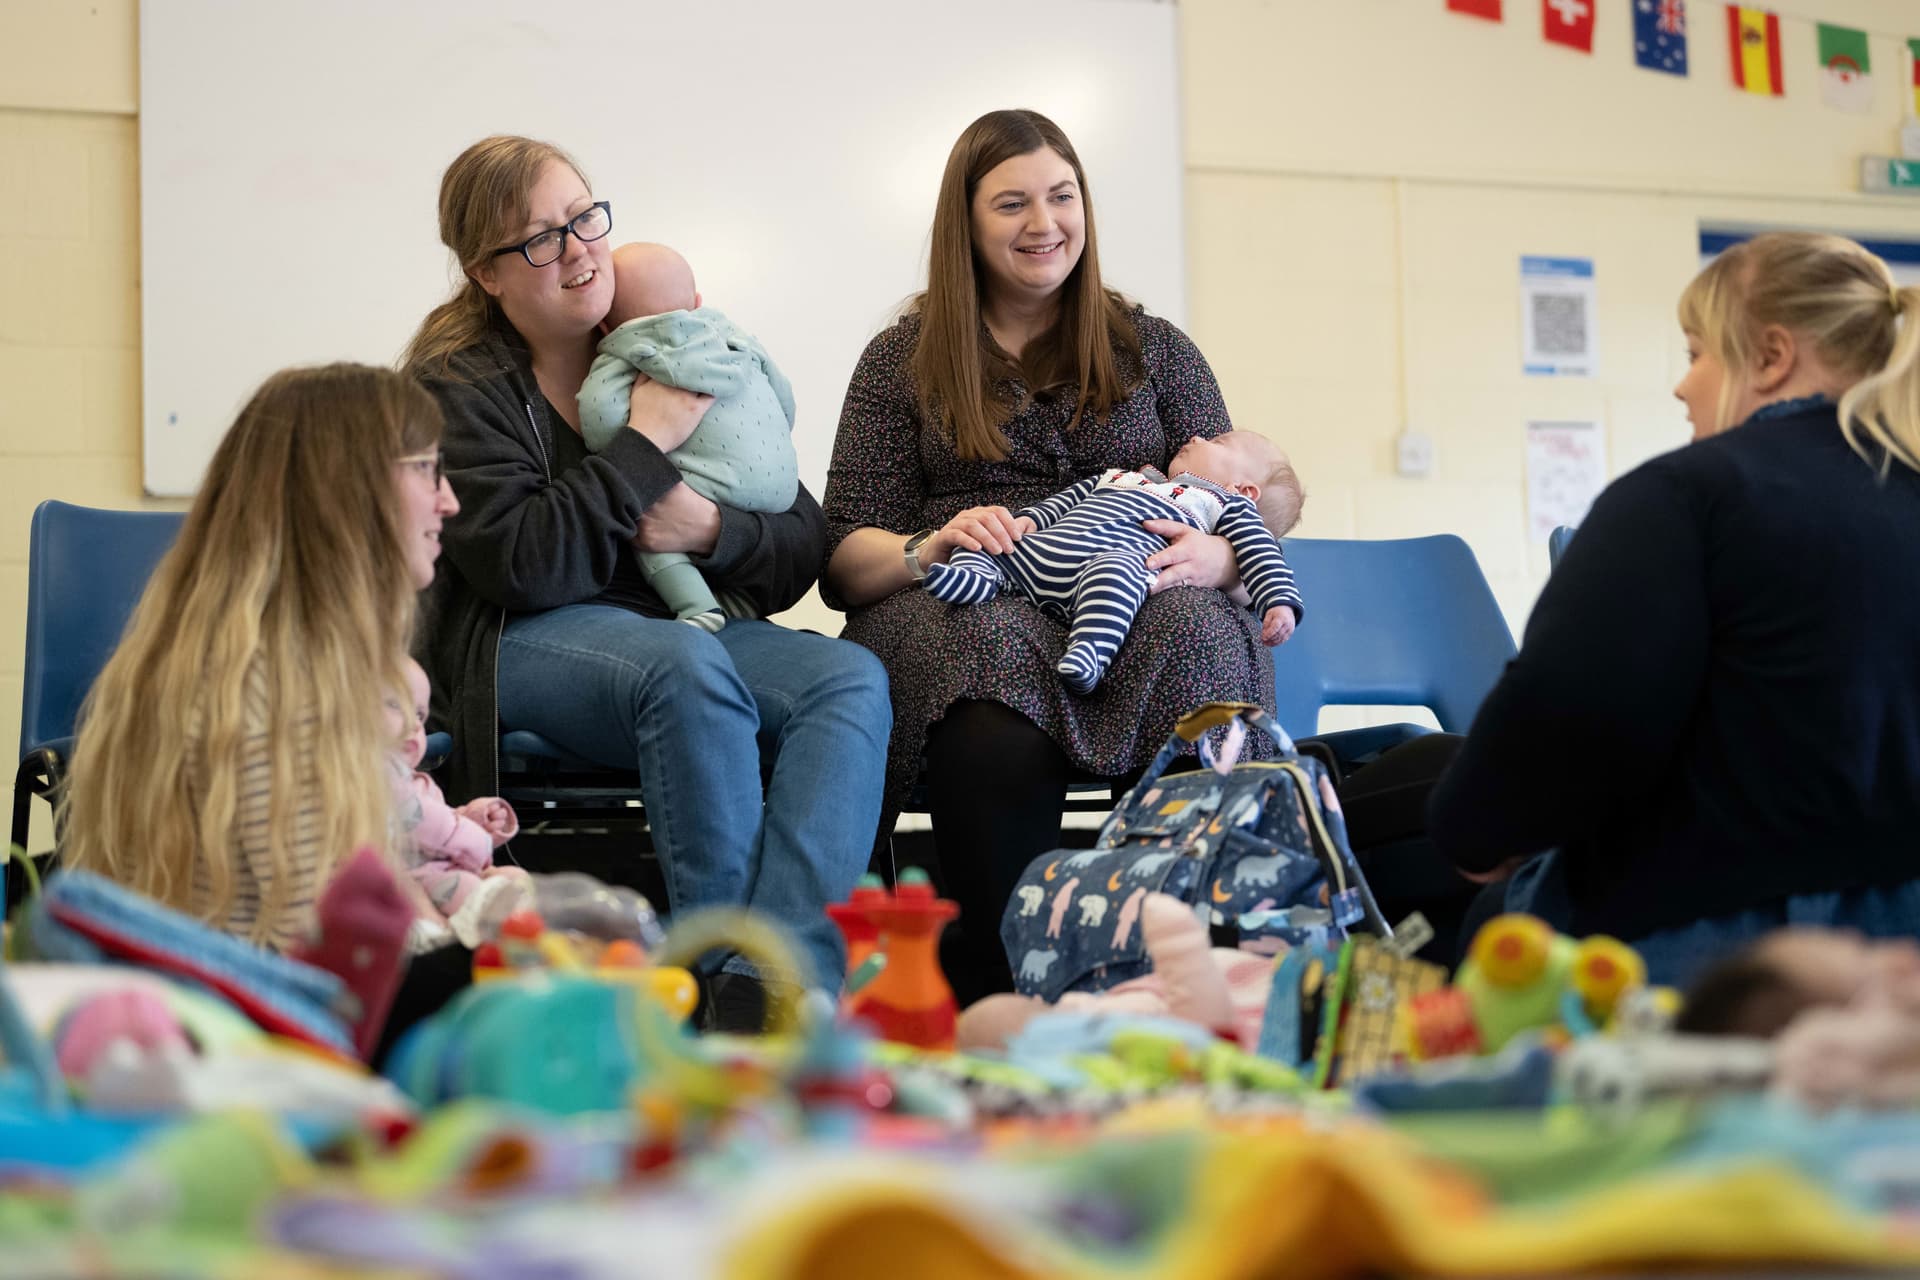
(1277, 625)
(495, 815)
(1025, 525)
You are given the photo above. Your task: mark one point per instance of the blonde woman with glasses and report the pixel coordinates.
(232, 752)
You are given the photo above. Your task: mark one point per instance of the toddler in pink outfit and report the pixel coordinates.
(451, 849)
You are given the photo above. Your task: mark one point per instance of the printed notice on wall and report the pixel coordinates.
(1566, 469)
(1556, 317)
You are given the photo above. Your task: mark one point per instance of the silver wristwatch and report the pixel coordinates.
(912, 553)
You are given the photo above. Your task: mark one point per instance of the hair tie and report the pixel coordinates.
(1893, 297)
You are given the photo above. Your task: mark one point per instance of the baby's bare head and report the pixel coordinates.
(649, 279)
(1249, 463)
(1760, 988)
(1267, 465)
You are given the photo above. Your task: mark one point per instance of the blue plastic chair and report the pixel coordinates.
(85, 571)
(1401, 622)
(1557, 545)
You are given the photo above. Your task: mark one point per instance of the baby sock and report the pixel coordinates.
(1082, 666)
(364, 918)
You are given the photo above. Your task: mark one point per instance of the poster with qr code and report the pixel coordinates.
(1556, 317)
(1566, 469)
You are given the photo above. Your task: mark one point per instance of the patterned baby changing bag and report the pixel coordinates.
(1252, 845)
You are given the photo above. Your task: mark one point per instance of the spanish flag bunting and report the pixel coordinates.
(1755, 46)
(1913, 60)
(1488, 9)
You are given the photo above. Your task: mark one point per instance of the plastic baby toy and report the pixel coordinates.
(1520, 975)
(907, 999)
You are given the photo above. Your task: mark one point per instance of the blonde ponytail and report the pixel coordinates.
(1838, 299)
(1883, 408)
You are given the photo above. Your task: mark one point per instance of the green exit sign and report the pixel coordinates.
(1890, 176)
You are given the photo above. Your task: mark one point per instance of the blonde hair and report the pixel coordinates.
(290, 570)
(1842, 301)
(1281, 497)
(484, 198)
(958, 378)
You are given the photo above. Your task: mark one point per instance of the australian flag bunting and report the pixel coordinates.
(1660, 35)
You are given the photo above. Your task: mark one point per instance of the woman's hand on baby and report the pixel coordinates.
(1277, 626)
(663, 414)
(679, 520)
(993, 530)
(1191, 558)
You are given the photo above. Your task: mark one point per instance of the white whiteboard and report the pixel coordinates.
(291, 152)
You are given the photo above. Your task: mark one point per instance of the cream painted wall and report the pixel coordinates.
(69, 285)
(1362, 179)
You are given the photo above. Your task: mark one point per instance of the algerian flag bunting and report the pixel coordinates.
(1847, 79)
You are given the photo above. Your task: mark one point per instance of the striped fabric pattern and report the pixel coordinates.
(253, 874)
(1085, 563)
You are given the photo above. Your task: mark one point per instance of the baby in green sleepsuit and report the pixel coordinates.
(741, 454)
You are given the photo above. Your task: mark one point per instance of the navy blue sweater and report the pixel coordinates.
(1717, 703)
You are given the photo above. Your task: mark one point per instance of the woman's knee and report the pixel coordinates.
(850, 678)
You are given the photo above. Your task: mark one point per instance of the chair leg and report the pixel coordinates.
(22, 813)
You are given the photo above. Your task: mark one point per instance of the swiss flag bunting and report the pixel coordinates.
(1488, 9)
(1569, 22)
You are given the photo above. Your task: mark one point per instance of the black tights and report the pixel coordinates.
(996, 787)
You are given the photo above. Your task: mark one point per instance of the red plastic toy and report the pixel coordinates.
(908, 1001)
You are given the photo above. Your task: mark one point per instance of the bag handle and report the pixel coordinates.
(1211, 715)
(1192, 727)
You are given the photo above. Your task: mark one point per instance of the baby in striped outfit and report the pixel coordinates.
(1082, 553)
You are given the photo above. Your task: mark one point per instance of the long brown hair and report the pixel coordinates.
(483, 202)
(1839, 298)
(1092, 347)
(290, 566)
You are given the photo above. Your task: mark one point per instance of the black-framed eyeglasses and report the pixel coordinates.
(431, 465)
(588, 225)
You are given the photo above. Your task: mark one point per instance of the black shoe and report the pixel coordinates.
(732, 1003)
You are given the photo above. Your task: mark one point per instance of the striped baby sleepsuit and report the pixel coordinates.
(1085, 562)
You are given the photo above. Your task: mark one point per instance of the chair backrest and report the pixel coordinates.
(85, 572)
(1402, 622)
(1557, 545)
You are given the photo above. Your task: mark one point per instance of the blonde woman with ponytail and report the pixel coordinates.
(1715, 716)
(232, 751)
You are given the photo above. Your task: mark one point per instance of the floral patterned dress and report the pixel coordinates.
(892, 471)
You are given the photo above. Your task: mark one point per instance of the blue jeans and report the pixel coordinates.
(1676, 956)
(706, 718)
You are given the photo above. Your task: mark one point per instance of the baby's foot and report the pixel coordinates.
(1080, 669)
(711, 621)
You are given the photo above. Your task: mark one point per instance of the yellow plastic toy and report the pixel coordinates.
(1520, 975)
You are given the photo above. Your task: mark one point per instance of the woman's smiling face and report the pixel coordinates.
(1029, 225)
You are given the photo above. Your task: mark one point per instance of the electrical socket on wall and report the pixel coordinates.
(1413, 454)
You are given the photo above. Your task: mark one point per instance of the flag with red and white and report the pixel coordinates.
(1569, 22)
(1488, 9)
